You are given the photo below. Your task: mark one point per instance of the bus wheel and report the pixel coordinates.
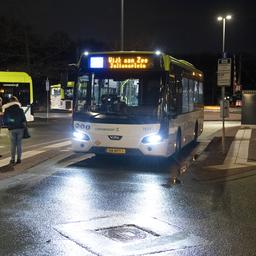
(196, 132)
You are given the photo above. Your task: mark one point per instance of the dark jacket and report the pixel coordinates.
(14, 117)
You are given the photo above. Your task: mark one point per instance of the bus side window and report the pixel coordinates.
(172, 97)
(178, 90)
(196, 94)
(191, 94)
(201, 95)
(185, 95)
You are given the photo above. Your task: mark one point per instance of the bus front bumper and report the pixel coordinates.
(161, 149)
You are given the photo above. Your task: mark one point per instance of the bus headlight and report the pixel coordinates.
(152, 139)
(80, 136)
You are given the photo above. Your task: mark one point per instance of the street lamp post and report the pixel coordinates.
(223, 19)
(47, 88)
(122, 25)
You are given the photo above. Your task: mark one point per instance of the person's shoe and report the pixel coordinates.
(12, 162)
(18, 161)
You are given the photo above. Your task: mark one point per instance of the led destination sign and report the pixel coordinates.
(120, 62)
(137, 62)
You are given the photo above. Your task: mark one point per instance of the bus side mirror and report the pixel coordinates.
(72, 67)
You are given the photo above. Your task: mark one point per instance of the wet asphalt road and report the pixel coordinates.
(50, 212)
(222, 215)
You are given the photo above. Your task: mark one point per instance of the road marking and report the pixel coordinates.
(34, 174)
(59, 145)
(46, 143)
(65, 150)
(25, 155)
(31, 153)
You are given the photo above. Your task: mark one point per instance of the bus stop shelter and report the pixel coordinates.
(248, 116)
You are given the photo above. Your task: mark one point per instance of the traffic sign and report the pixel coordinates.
(224, 72)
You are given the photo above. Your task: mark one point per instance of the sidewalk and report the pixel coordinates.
(237, 160)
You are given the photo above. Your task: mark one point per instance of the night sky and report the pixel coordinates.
(178, 27)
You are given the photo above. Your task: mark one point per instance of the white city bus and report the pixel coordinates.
(17, 84)
(61, 98)
(136, 103)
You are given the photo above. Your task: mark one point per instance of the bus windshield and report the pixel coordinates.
(20, 90)
(55, 92)
(121, 95)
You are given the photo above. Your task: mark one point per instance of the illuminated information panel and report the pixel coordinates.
(137, 62)
(121, 62)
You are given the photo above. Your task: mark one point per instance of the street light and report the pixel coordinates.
(223, 19)
(122, 25)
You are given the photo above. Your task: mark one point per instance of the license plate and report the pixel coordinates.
(116, 150)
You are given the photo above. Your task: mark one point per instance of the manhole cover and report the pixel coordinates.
(125, 233)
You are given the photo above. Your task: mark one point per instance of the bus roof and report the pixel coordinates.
(70, 84)
(15, 77)
(56, 86)
(182, 63)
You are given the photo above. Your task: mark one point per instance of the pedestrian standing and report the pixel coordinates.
(14, 119)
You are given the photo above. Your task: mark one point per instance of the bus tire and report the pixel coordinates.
(196, 132)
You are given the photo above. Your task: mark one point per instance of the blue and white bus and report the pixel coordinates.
(136, 103)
